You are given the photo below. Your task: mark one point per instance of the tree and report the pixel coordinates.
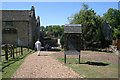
(42, 28)
(62, 40)
(54, 30)
(85, 7)
(91, 24)
(116, 32)
(113, 17)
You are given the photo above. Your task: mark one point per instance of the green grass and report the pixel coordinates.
(61, 49)
(2, 52)
(92, 69)
(9, 70)
(10, 66)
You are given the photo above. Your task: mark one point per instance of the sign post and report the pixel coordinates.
(72, 40)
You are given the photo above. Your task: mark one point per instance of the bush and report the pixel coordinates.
(62, 40)
(47, 38)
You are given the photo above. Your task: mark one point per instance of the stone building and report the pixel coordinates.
(20, 27)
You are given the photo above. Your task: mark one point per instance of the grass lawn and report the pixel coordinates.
(92, 69)
(10, 66)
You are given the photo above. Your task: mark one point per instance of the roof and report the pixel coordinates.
(72, 28)
(15, 15)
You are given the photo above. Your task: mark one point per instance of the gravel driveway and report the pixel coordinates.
(44, 66)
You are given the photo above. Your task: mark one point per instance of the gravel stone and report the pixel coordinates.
(43, 66)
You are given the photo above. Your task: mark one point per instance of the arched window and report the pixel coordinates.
(9, 31)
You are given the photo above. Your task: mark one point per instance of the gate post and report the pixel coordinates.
(65, 58)
(6, 52)
(21, 51)
(16, 50)
(79, 58)
(13, 51)
(10, 50)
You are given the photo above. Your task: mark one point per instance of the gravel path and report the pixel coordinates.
(44, 66)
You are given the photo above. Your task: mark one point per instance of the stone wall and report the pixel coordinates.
(0, 33)
(25, 22)
(10, 39)
(21, 36)
(0, 39)
(32, 32)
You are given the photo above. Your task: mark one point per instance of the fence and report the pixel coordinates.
(11, 51)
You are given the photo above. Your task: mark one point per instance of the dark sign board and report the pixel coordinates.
(72, 39)
(72, 28)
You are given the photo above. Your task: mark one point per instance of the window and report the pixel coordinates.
(9, 31)
(10, 23)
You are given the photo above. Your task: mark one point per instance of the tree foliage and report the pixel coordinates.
(42, 28)
(91, 25)
(113, 17)
(53, 30)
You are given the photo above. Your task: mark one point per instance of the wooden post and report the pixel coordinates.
(65, 58)
(66, 46)
(10, 51)
(28, 48)
(80, 46)
(16, 50)
(6, 52)
(21, 51)
(13, 52)
(79, 58)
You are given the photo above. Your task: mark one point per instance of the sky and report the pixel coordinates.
(56, 13)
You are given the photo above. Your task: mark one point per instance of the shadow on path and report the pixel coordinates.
(56, 50)
(43, 55)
